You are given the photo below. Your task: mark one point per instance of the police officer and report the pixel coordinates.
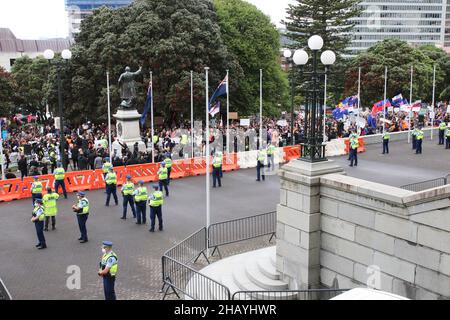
(168, 161)
(111, 182)
(271, 156)
(106, 167)
(261, 157)
(414, 138)
(162, 176)
(442, 127)
(140, 199)
(38, 219)
(51, 210)
(36, 189)
(82, 211)
(386, 138)
(217, 164)
(108, 270)
(447, 140)
(127, 193)
(220, 156)
(52, 158)
(354, 145)
(155, 202)
(59, 174)
(419, 140)
(183, 141)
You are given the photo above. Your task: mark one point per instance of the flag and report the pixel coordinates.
(372, 121)
(148, 103)
(397, 100)
(220, 91)
(215, 109)
(378, 107)
(416, 106)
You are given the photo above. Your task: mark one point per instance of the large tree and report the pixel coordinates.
(398, 56)
(168, 37)
(255, 42)
(6, 93)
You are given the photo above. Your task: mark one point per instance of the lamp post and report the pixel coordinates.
(287, 54)
(66, 55)
(314, 148)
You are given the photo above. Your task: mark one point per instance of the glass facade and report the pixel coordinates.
(415, 21)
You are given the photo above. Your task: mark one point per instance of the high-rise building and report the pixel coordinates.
(80, 9)
(417, 22)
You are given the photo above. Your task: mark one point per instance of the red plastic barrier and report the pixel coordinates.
(10, 189)
(47, 180)
(145, 172)
(98, 181)
(79, 181)
(291, 152)
(121, 173)
(198, 166)
(230, 162)
(179, 169)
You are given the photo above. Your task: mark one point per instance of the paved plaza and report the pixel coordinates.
(30, 273)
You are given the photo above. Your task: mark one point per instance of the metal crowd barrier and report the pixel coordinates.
(310, 294)
(241, 229)
(428, 184)
(4, 293)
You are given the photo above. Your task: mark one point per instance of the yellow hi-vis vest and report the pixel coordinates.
(141, 194)
(419, 135)
(386, 136)
(270, 149)
(36, 187)
(156, 199)
(36, 208)
(59, 174)
(128, 189)
(217, 162)
(106, 167)
(261, 155)
(448, 133)
(111, 178)
(168, 162)
(155, 139)
(49, 201)
(162, 173)
(354, 143)
(113, 269)
(84, 204)
(184, 139)
(442, 126)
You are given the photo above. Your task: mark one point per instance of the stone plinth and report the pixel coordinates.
(298, 222)
(128, 131)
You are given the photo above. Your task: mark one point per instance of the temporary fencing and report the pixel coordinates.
(14, 189)
(361, 148)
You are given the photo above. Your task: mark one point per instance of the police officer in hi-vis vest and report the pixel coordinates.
(108, 270)
(127, 193)
(59, 174)
(217, 165)
(163, 177)
(82, 211)
(168, 161)
(140, 199)
(36, 189)
(51, 210)
(38, 218)
(155, 202)
(111, 186)
(386, 138)
(261, 157)
(442, 127)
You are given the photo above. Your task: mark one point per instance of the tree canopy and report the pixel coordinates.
(6, 92)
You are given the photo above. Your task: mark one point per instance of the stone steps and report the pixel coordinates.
(255, 274)
(268, 269)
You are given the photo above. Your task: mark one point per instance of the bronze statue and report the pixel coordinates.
(128, 88)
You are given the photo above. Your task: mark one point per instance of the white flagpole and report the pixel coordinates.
(260, 107)
(432, 103)
(384, 102)
(109, 115)
(410, 104)
(2, 161)
(359, 94)
(228, 113)
(192, 113)
(207, 157)
(151, 116)
(325, 107)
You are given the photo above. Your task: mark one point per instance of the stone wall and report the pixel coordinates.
(366, 227)
(338, 231)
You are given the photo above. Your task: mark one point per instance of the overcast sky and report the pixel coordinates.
(37, 19)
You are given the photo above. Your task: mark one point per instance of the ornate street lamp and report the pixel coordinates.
(313, 150)
(66, 55)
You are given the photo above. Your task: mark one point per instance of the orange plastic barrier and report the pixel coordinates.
(198, 166)
(121, 173)
(10, 189)
(47, 180)
(230, 162)
(291, 152)
(145, 172)
(179, 169)
(79, 181)
(98, 181)
(361, 148)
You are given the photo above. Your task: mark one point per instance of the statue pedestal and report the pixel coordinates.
(128, 128)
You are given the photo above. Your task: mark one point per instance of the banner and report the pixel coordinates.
(244, 122)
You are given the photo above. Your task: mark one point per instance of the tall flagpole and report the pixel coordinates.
(228, 113)
(207, 156)
(359, 92)
(151, 115)
(109, 114)
(432, 103)
(2, 160)
(260, 107)
(410, 104)
(192, 113)
(384, 102)
(324, 107)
